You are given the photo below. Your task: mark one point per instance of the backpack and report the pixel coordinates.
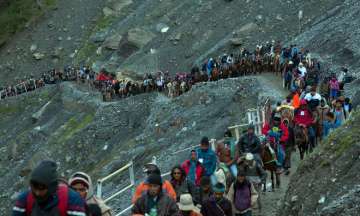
(62, 194)
(234, 188)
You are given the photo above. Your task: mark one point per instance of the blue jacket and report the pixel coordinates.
(75, 204)
(209, 160)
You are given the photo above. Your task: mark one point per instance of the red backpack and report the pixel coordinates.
(62, 194)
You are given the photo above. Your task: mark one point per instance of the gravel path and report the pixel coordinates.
(271, 201)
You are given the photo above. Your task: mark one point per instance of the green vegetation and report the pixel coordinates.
(103, 22)
(88, 50)
(18, 13)
(74, 125)
(5, 110)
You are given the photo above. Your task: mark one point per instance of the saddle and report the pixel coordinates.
(304, 132)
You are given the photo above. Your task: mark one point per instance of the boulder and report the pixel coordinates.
(57, 52)
(236, 41)
(247, 28)
(38, 56)
(140, 37)
(99, 51)
(178, 36)
(113, 42)
(161, 27)
(33, 48)
(99, 37)
(108, 11)
(51, 24)
(118, 5)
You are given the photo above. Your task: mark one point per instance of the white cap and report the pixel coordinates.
(249, 157)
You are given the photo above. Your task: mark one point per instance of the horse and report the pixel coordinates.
(225, 71)
(269, 160)
(301, 140)
(183, 87)
(258, 64)
(276, 64)
(214, 74)
(267, 66)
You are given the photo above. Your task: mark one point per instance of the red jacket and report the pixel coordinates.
(283, 128)
(303, 116)
(199, 172)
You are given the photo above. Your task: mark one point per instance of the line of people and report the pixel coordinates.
(198, 187)
(227, 181)
(270, 57)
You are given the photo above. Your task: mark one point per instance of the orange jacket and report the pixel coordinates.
(143, 187)
(296, 101)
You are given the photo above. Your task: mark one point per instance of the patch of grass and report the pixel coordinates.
(73, 126)
(344, 143)
(103, 22)
(50, 3)
(18, 13)
(86, 51)
(325, 163)
(5, 110)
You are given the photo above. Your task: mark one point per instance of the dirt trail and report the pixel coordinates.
(271, 201)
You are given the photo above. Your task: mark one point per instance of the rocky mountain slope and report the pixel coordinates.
(327, 182)
(147, 35)
(72, 126)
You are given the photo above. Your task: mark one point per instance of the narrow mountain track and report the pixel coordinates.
(271, 201)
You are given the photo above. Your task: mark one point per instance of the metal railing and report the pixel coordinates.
(130, 167)
(258, 117)
(254, 117)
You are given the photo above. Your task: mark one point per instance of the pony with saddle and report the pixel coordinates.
(268, 156)
(301, 140)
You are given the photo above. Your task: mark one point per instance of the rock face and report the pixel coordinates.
(336, 192)
(69, 120)
(140, 37)
(113, 42)
(205, 29)
(38, 56)
(333, 42)
(236, 41)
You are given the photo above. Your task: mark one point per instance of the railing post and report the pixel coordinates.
(259, 125)
(263, 116)
(237, 134)
(212, 143)
(132, 175)
(99, 189)
(249, 117)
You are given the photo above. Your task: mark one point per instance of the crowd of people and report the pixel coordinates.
(269, 57)
(229, 179)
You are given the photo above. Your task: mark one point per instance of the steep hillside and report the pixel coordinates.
(334, 37)
(148, 35)
(74, 127)
(327, 182)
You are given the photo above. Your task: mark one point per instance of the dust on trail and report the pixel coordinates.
(272, 201)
